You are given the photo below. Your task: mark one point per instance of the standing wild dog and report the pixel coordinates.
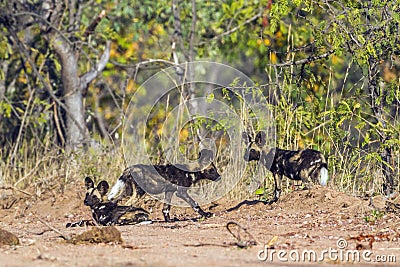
(168, 179)
(307, 165)
(105, 212)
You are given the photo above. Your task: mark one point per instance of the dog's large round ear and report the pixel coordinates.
(246, 138)
(103, 187)
(206, 156)
(89, 183)
(261, 139)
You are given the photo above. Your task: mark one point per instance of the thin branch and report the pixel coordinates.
(99, 118)
(177, 37)
(73, 16)
(91, 75)
(4, 67)
(58, 126)
(191, 49)
(89, 31)
(31, 171)
(304, 61)
(139, 65)
(21, 128)
(23, 13)
(91, 28)
(248, 21)
(192, 31)
(53, 28)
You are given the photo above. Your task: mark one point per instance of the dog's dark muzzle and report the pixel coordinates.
(251, 154)
(217, 179)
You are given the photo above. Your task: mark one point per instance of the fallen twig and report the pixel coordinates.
(241, 243)
(16, 189)
(64, 236)
(210, 244)
(250, 241)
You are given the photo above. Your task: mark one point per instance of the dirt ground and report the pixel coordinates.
(334, 227)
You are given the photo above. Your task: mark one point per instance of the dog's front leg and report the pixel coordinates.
(183, 194)
(167, 205)
(277, 189)
(81, 223)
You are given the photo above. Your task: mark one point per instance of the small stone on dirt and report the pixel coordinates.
(7, 238)
(107, 234)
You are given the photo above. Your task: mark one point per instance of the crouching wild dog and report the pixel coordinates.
(168, 179)
(105, 212)
(307, 165)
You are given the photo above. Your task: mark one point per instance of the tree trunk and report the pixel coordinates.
(4, 67)
(76, 132)
(377, 105)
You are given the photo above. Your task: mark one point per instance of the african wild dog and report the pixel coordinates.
(297, 165)
(105, 212)
(168, 179)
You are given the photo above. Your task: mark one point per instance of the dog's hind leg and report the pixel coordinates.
(167, 205)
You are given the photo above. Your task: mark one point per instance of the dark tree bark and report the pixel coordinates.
(377, 105)
(76, 132)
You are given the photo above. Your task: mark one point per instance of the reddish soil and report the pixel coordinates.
(302, 221)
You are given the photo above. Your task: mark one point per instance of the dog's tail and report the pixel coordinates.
(124, 188)
(323, 176)
(117, 189)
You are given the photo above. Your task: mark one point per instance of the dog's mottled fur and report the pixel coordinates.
(105, 212)
(168, 179)
(307, 165)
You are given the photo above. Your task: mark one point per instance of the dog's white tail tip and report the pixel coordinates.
(323, 178)
(116, 189)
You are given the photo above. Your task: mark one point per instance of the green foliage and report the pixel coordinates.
(374, 216)
(5, 109)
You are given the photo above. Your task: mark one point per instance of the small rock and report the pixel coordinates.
(107, 234)
(7, 238)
